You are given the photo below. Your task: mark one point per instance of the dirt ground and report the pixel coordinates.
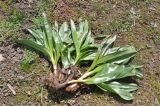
(136, 22)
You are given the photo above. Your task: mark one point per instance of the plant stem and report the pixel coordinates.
(94, 62)
(74, 83)
(55, 69)
(82, 77)
(54, 66)
(76, 60)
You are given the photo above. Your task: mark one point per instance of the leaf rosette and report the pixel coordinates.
(67, 45)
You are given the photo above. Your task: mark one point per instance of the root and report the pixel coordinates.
(60, 79)
(66, 79)
(73, 87)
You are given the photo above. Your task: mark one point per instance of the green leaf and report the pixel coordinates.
(100, 37)
(85, 34)
(35, 46)
(124, 90)
(88, 53)
(48, 34)
(107, 44)
(66, 57)
(94, 63)
(75, 37)
(64, 33)
(127, 87)
(86, 27)
(102, 49)
(80, 27)
(35, 34)
(87, 41)
(38, 36)
(117, 57)
(112, 72)
(88, 56)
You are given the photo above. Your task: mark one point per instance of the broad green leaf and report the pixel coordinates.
(89, 57)
(107, 44)
(124, 90)
(101, 51)
(124, 48)
(35, 46)
(88, 40)
(118, 56)
(94, 63)
(80, 27)
(85, 34)
(66, 58)
(130, 87)
(112, 72)
(48, 34)
(36, 35)
(75, 37)
(64, 33)
(88, 53)
(66, 55)
(86, 27)
(100, 37)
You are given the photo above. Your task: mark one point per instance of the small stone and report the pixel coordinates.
(29, 93)
(149, 46)
(45, 97)
(1, 57)
(152, 8)
(31, 1)
(3, 105)
(139, 93)
(132, 11)
(12, 50)
(20, 77)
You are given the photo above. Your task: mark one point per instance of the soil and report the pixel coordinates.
(135, 22)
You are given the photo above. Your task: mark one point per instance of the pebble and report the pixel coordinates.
(1, 57)
(29, 93)
(3, 105)
(20, 77)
